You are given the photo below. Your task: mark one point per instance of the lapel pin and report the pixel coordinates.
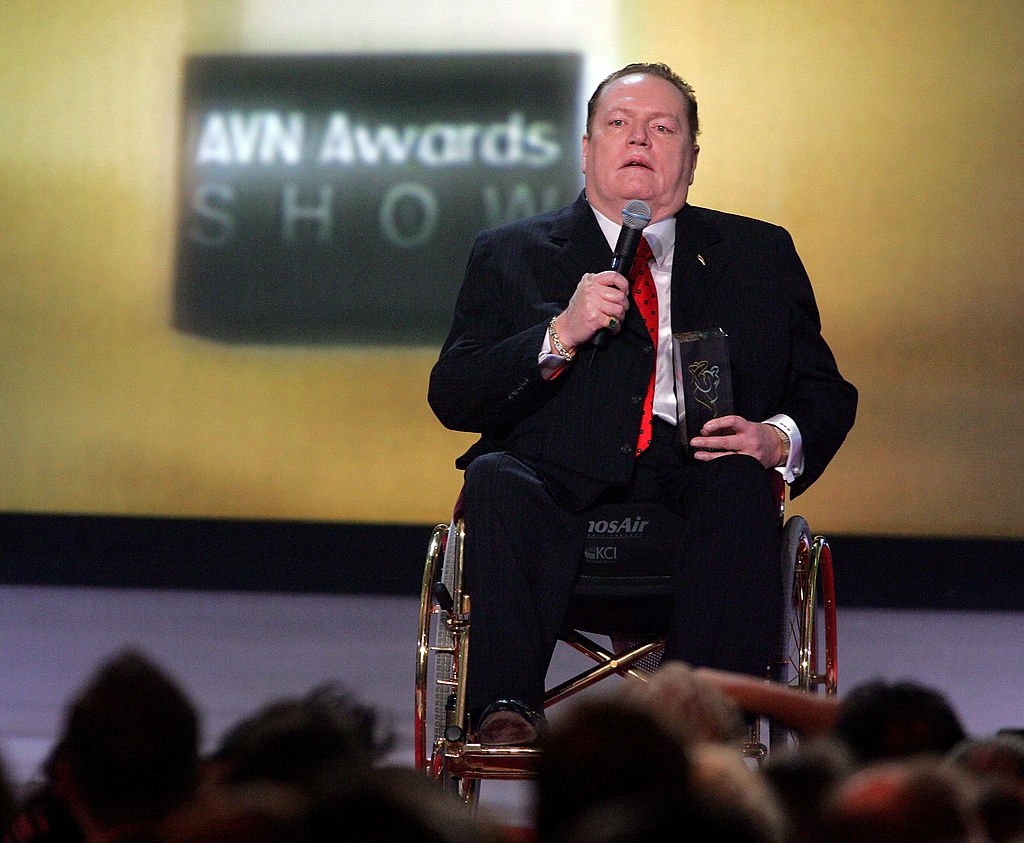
(702, 261)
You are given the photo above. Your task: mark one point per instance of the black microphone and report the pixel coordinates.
(635, 217)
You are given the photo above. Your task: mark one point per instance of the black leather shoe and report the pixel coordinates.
(509, 723)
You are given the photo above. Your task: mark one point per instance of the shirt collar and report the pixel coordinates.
(660, 236)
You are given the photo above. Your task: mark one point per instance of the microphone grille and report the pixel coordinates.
(636, 214)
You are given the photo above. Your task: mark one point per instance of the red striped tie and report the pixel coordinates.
(645, 297)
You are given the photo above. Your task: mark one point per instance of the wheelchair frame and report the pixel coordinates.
(445, 753)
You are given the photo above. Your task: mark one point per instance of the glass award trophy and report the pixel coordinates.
(703, 380)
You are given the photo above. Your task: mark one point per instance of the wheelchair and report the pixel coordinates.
(623, 591)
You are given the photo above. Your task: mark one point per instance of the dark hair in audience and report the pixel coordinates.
(7, 800)
(131, 742)
(1001, 811)
(903, 801)
(880, 720)
(388, 805)
(257, 812)
(650, 818)
(293, 740)
(602, 750)
(997, 762)
(802, 777)
(1001, 755)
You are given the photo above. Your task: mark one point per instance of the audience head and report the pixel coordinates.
(8, 802)
(724, 783)
(649, 818)
(879, 720)
(907, 801)
(999, 756)
(130, 744)
(388, 805)
(997, 763)
(801, 777)
(603, 751)
(294, 740)
(360, 805)
(254, 812)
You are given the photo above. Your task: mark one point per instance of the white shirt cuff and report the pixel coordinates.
(794, 466)
(549, 361)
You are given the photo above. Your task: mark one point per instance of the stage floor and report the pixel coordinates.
(234, 652)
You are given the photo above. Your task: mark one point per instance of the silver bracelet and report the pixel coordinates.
(563, 352)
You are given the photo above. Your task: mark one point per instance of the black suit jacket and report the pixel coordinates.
(579, 430)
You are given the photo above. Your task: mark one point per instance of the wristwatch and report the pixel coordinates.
(784, 438)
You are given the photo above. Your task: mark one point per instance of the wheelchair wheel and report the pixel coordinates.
(440, 705)
(425, 667)
(805, 637)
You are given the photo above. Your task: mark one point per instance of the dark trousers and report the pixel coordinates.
(523, 551)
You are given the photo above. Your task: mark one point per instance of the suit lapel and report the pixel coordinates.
(698, 266)
(581, 245)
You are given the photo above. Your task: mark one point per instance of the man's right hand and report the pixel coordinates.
(599, 298)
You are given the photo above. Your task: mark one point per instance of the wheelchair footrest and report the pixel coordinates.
(474, 761)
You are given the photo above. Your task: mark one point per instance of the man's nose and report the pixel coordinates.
(638, 136)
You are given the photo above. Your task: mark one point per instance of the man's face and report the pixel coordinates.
(639, 147)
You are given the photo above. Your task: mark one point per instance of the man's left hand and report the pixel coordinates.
(735, 435)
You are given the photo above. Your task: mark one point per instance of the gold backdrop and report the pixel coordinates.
(884, 136)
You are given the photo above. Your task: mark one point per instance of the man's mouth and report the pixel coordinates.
(637, 162)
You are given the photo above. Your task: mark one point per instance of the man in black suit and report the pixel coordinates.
(562, 424)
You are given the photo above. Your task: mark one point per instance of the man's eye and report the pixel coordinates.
(663, 129)
(617, 122)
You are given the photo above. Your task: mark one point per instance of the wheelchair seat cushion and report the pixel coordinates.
(625, 578)
(630, 548)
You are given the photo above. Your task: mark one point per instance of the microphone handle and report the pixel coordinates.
(622, 262)
(602, 338)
